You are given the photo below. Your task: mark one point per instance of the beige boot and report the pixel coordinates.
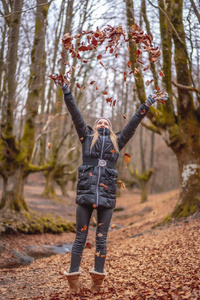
(73, 280)
(96, 280)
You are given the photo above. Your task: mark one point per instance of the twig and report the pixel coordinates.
(185, 87)
(176, 33)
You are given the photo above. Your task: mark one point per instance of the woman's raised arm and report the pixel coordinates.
(130, 128)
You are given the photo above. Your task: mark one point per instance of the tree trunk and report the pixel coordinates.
(13, 192)
(15, 158)
(49, 190)
(144, 189)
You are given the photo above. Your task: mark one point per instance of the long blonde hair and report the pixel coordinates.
(112, 137)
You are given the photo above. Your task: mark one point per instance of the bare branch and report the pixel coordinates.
(184, 87)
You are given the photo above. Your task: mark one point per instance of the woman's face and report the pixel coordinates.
(102, 123)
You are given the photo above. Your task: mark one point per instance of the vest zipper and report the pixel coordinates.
(99, 174)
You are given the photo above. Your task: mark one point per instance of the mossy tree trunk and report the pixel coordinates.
(15, 157)
(179, 126)
(187, 151)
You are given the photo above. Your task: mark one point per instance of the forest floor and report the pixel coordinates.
(142, 263)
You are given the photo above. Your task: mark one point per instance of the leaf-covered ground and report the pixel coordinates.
(142, 263)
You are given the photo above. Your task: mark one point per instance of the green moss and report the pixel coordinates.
(45, 9)
(166, 220)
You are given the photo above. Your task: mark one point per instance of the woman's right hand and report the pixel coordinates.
(61, 83)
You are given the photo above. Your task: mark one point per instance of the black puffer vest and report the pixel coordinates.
(97, 176)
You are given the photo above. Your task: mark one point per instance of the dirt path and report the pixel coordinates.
(141, 263)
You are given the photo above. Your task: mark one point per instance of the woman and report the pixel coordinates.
(97, 183)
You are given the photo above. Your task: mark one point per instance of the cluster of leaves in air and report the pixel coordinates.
(111, 35)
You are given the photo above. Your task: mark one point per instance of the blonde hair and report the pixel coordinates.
(112, 137)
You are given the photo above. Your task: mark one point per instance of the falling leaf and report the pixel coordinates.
(124, 116)
(103, 255)
(90, 174)
(82, 138)
(102, 64)
(94, 220)
(49, 145)
(161, 74)
(123, 185)
(114, 102)
(113, 226)
(138, 60)
(127, 157)
(92, 82)
(98, 254)
(100, 224)
(119, 181)
(112, 151)
(116, 55)
(105, 93)
(157, 88)
(59, 60)
(143, 112)
(78, 85)
(138, 52)
(83, 48)
(58, 103)
(94, 206)
(84, 228)
(84, 60)
(129, 64)
(100, 234)
(96, 88)
(88, 245)
(82, 88)
(103, 185)
(99, 56)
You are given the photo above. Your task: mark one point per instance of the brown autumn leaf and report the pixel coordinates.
(98, 254)
(82, 138)
(102, 64)
(94, 206)
(84, 228)
(58, 103)
(119, 181)
(49, 145)
(114, 102)
(113, 226)
(157, 88)
(105, 93)
(88, 245)
(143, 112)
(94, 220)
(103, 185)
(100, 224)
(123, 185)
(92, 82)
(138, 52)
(90, 174)
(161, 74)
(96, 88)
(78, 85)
(127, 157)
(100, 234)
(82, 88)
(129, 64)
(112, 151)
(124, 116)
(103, 255)
(99, 56)
(85, 61)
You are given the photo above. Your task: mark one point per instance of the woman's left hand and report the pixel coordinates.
(155, 96)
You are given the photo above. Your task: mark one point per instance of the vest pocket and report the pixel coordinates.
(84, 177)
